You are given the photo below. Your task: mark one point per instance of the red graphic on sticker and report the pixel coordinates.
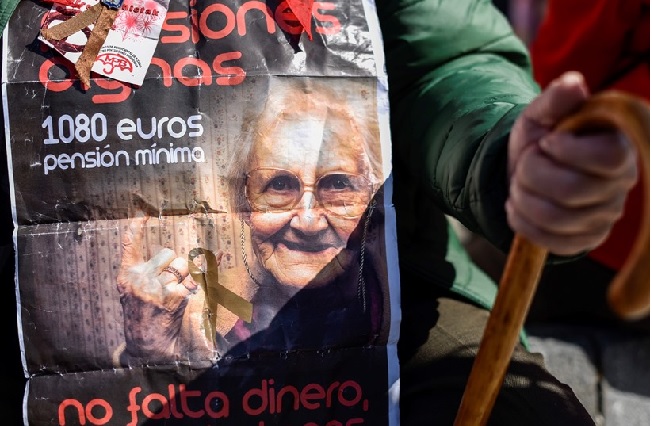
(111, 61)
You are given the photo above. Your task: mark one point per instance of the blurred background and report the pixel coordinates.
(524, 15)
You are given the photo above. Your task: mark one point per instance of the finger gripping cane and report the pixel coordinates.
(628, 294)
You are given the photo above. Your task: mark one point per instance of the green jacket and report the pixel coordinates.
(458, 78)
(7, 7)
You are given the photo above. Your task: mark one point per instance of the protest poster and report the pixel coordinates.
(254, 158)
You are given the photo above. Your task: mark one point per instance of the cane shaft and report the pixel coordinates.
(517, 287)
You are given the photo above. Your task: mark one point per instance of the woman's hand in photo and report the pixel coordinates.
(154, 294)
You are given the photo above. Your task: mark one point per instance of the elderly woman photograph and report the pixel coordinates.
(305, 185)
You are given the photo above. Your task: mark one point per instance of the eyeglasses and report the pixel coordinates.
(277, 190)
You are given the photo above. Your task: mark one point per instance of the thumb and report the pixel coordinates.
(562, 97)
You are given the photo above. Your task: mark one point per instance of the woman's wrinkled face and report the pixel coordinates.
(307, 191)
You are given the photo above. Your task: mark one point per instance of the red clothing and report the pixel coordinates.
(609, 42)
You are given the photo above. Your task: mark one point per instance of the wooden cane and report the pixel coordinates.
(629, 293)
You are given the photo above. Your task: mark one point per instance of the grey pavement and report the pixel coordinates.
(608, 369)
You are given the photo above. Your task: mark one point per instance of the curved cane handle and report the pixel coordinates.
(629, 293)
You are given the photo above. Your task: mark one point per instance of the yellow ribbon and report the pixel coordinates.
(216, 293)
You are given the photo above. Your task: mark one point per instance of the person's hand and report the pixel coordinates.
(566, 191)
(154, 295)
